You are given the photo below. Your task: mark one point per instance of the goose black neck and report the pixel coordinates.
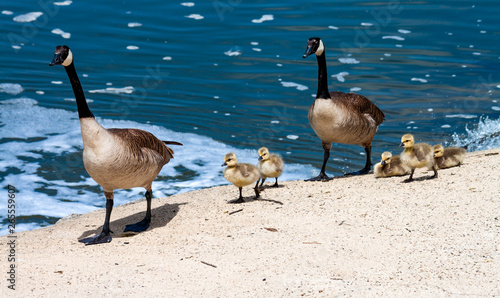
(81, 102)
(322, 77)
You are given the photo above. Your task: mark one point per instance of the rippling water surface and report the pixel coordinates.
(224, 76)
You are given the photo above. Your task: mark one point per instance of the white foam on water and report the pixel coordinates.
(355, 89)
(132, 48)
(113, 90)
(28, 17)
(292, 137)
(63, 3)
(58, 31)
(366, 24)
(233, 51)
(41, 150)
(419, 80)
(340, 76)
(195, 16)
(465, 116)
(7, 12)
(333, 27)
(348, 60)
(266, 17)
(393, 37)
(134, 24)
(167, 58)
(187, 4)
(11, 88)
(294, 85)
(404, 31)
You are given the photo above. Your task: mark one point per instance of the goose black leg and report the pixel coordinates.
(322, 175)
(368, 165)
(105, 235)
(276, 184)
(143, 225)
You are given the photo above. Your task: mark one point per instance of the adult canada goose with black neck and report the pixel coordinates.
(115, 158)
(338, 117)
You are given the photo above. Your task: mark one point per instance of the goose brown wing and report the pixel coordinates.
(359, 104)
(139, 139)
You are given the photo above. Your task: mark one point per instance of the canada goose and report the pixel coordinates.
(390, 166)
(338, 117)
(416, 156)
(115, 158)
(240, 174)
(448, 157)
(270, 165)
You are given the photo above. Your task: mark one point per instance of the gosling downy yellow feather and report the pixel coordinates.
(390, 166)
(270, 166)
(417, 156)
(240, 174)
(448, 157)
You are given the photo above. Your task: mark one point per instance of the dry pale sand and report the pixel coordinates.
(356, 236)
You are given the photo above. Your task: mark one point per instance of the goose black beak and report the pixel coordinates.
(402, 144)
(56, 60)
(260, 157)
(308, 52)
(382, 162)
(224, 164)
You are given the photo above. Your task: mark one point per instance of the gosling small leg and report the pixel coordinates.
(410, 179)
(435, 173)
(256, 189)
(276, 184)
(240, 199)
(261, 187)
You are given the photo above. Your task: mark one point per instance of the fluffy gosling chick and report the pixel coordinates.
(390, 166)
(240, 174)
(448, 157)
(270, 166)
(417, 156)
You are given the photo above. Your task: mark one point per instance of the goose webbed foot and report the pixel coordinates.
(408, 180)
(363, 171)
(103, 237)
(141, 226)
(321, 177)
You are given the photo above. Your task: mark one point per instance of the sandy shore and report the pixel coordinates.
(356, 236)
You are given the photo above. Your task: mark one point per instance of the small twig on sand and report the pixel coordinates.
(211, 265)
(236, 211)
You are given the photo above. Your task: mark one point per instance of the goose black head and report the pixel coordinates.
(314, 46)
(62, 56)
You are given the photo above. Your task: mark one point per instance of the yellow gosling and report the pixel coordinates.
(417, 156)
(270, 166)
(240, 174)
(390, 166)
(448, 157)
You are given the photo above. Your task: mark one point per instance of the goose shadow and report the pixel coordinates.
(160, 217)
(253, 199)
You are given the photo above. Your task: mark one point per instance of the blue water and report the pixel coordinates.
(223, 76)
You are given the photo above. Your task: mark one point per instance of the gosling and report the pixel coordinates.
(390, 166)
(270, 166)
(240, 174)
(449, 157)
(417, 156)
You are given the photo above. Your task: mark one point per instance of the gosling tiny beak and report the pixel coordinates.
(402, 144)
(56, 60)
(260, 157)
(224, 164)
(382, 162)
(308, 52)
